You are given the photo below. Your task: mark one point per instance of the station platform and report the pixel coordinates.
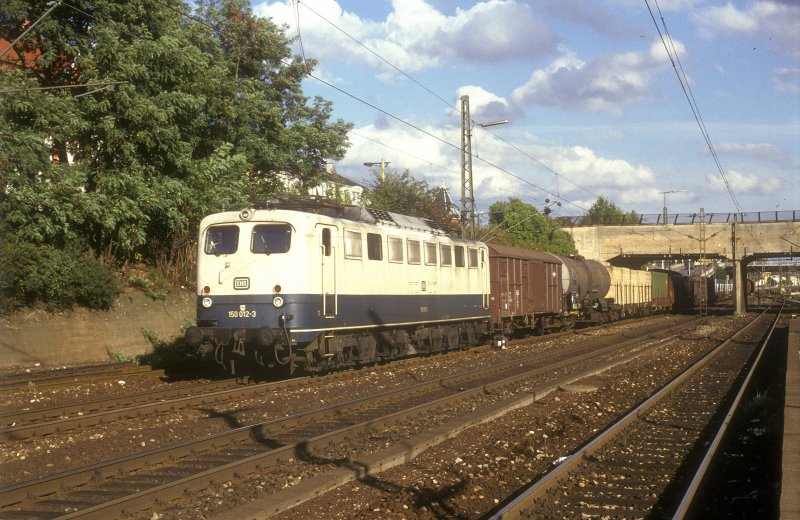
(790, 478)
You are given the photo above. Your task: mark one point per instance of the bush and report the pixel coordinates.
(58, 279)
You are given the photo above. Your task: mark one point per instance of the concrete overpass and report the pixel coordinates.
(740, 238)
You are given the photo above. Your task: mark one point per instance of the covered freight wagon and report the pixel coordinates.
(526, 291)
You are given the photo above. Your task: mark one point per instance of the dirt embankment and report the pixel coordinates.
(83, 336)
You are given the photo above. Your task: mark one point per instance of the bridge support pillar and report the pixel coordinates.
(740, 285)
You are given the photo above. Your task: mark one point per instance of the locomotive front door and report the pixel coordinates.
(327, 247)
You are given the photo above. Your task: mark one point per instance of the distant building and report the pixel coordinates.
(336, 187)
(333, 187)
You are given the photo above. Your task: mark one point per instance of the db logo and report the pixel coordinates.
(241, 283)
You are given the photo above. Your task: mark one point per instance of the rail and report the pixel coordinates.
(753, 217)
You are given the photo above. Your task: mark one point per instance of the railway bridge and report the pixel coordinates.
(737, 237)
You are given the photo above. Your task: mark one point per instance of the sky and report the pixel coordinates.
(593, 99)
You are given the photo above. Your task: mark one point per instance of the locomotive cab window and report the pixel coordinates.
(459, 254)
(222, 240)
(352, 244)
(395, 249)
(414, 252)
(270, 239)
(374, 246)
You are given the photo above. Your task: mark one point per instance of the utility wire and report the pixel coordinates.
(449, 105)
(687, 91)
(446, 103)
(52, 5)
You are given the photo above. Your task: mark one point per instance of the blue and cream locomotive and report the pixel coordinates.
(327, 286)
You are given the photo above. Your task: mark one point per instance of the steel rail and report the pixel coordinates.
(98, 472)
(515, 508)
(700, 474)
(82, 415)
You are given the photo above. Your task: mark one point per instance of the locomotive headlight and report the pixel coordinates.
(277, 301)
(207, 303)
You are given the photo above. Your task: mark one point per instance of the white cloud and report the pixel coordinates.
(601, 85)
(485, 106)
(585, 168)
(775, 21)
(415, 35)
(743, 183)
(787, 80)
(757, 150)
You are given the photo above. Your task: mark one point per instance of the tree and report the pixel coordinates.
(605, 212)
(519, 224)
(203, 114)
(400, 193)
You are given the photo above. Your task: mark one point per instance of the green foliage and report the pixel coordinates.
(606, 213)
(198, 120)
(400, 193)
(171, 353)
(519, 224)
(121, 357)
(149, 284)
(53, 277)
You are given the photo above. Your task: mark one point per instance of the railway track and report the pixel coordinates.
(651, 462)
(38, 422)
(298, 443)
(74, 376)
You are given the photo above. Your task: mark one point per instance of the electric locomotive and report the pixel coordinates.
(326, 286)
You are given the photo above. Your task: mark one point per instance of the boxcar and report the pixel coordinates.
(526, 290)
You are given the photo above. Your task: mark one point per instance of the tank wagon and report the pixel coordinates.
(333, 287)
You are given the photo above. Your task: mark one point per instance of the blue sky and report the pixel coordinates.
(593, 102)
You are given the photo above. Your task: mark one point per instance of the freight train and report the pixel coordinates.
(323, 286)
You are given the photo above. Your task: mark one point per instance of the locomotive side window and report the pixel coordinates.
(352, 244)
(395, 249)
(446, 254)
(374, 246)
(222, 240)
(271, 238)
(459, 252)
(430, 253)
(473, 257)
(414, 255)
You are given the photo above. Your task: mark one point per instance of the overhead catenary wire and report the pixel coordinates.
(499, 168)
(669, 46)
